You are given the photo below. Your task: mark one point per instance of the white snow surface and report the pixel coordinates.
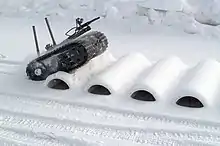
(169, 48)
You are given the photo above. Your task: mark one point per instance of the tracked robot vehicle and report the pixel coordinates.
(75, 51)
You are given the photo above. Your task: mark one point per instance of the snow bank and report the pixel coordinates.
(120, 76)
(159, 80)
(181, 15)
(201, 84)
(167, 5)
(63, 7)
(205, 11)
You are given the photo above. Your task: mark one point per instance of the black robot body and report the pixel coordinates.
(70, 54)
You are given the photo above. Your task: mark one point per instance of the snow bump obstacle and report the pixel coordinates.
(156, 83)
(200, 86)
(59, 80)
(119, 76)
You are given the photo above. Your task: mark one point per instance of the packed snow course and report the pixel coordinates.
(166, 50)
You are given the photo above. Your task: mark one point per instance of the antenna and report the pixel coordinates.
(50, 31)
(36, 41)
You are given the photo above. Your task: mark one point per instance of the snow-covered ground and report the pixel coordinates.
(33, 114)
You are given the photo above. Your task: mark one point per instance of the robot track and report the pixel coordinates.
(68, 55)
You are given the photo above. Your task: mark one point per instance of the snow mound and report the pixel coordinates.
(118, 77)
(202, 83)
(159, 80)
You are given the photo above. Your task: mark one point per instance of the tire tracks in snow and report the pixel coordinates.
(69, 129)
(47, 108)
(28, 138)
(19, 138)
(4, 142)
(9, 137)
(96, 114)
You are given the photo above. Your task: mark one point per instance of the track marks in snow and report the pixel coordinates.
(4, 142)
(97, 114)
(67, 111)
(26, 138)
(29, 138)
(68, 128)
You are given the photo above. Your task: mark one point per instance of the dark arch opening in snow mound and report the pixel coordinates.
(99, 90)
(189, 101)
(58, 84)
(143, 96)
